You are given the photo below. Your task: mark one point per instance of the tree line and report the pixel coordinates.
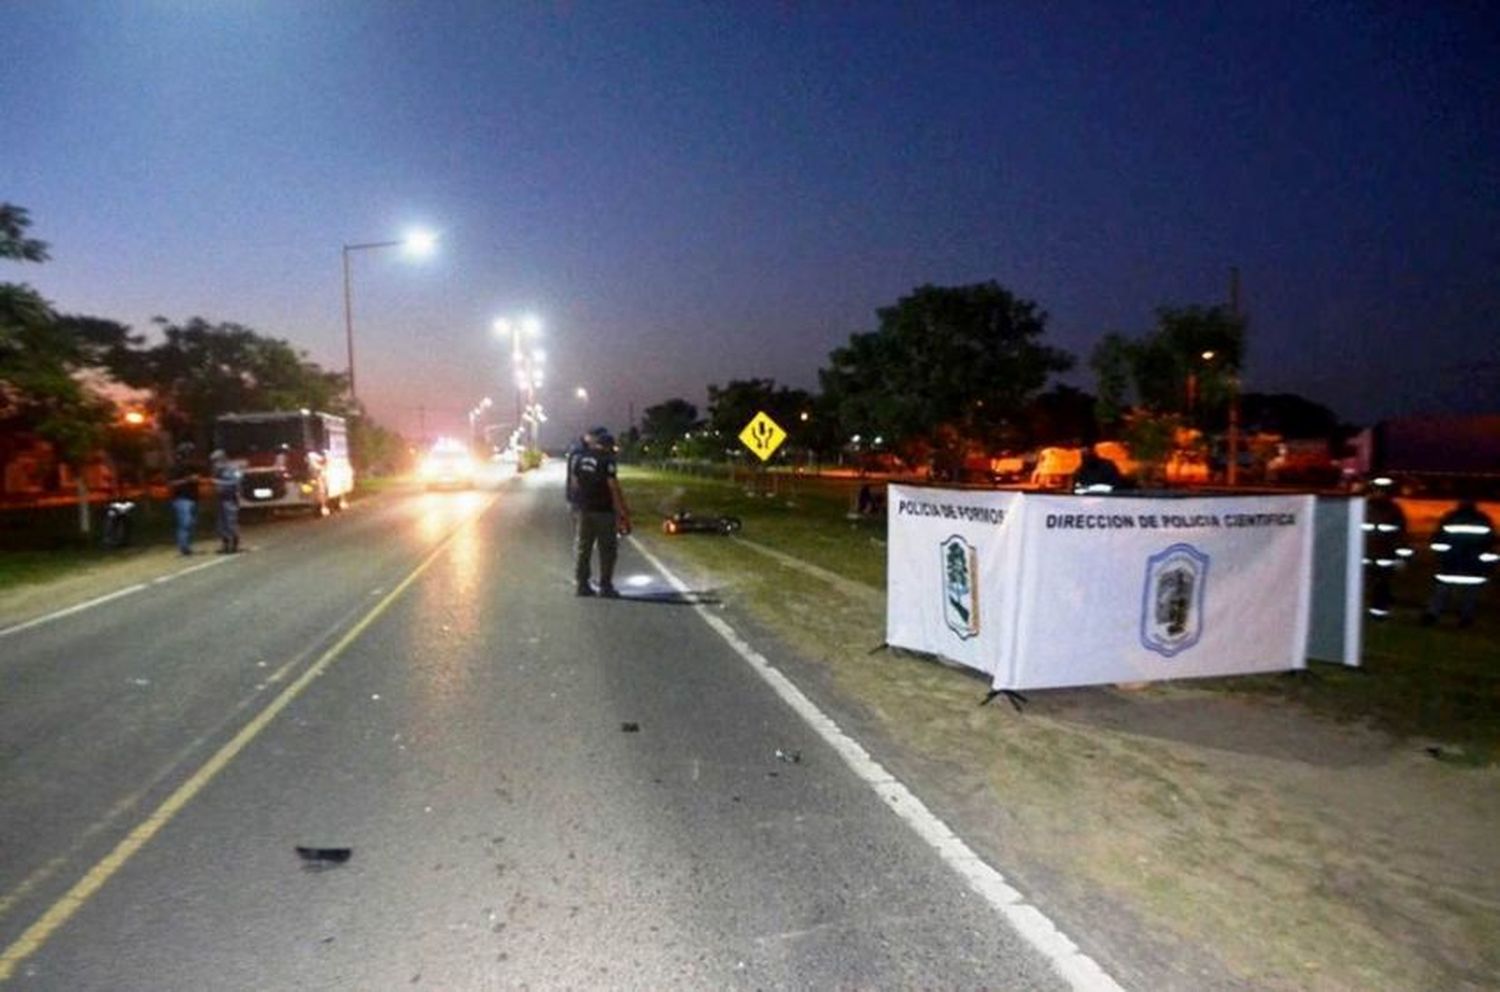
(64, 378)
(957, 369)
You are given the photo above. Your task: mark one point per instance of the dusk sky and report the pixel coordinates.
(689, 193)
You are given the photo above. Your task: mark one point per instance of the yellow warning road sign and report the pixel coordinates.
(762, 436)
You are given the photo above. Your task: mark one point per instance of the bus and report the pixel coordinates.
(288, 460)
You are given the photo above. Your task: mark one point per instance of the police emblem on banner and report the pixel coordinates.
(960, 587)
(1172, 600)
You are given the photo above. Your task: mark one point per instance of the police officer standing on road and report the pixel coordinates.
(1465, 546)
(182, 487)
(226, 476)
(1386, 546)
(599, 512)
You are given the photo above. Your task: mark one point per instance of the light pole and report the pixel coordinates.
(525, 367)
(474, 415)
(418, 243)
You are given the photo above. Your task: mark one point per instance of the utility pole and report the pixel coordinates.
(1233, 472)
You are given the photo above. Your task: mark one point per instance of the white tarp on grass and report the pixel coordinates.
(1043, 591)
(1135, 589)
(1338, 581)
(952, 562)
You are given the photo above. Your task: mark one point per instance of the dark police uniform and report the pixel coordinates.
(1386, 548)
(1465, 546)
(592, 471)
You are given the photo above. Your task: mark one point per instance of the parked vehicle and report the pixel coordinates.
(1445, 457)
(288, 460)
(1305, 462)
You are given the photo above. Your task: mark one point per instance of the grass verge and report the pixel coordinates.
(1212, 834)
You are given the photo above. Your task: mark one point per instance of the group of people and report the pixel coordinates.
(1463, 543)
(600, 514)
(183, 485)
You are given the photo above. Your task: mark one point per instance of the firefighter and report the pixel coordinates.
(1465, 547)
(1386, 546)
(1096, 474)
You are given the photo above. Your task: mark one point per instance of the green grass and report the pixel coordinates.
(19, 568)
(1440, 684)
(55, 528)
(805, 517)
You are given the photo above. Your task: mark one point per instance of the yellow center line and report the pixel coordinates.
(32, 939)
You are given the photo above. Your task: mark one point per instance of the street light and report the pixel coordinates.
(417, 244)
(474, 416)
(526, 367)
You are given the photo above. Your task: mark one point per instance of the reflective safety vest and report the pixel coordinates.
(1385, 533)
(1465, 545)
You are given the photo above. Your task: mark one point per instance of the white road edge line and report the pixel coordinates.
(1081, 972)
(89, 604)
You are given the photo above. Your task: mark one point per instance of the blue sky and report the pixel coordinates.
(688, 193)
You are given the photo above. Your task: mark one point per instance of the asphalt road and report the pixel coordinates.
(416, 682)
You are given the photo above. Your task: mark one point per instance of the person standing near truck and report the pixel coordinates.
(182, 488)
(599, 511)
(226, 476)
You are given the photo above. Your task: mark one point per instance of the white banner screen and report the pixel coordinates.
(951, 567)
(1337, 581)
(1129, 589)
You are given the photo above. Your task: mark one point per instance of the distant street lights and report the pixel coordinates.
(526, 366)
(474, 416)
(417, 243)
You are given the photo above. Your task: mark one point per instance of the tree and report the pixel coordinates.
(1188, 364)
(14, 244)
(1063, 415)
(947, 368)
(1289, 415)
(735, 404)
(664, 424)
(202, 370)
(43, 362)
(1180, 373)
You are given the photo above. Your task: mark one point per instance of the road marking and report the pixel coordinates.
(1081, 972)
(32, 939)
(107, 597)
(79, 608)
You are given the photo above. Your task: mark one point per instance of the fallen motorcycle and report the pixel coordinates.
(685, 523)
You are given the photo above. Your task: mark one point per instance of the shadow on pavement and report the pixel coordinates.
(693, 597)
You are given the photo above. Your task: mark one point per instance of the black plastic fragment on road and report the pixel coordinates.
(630, 728)
(324, 857)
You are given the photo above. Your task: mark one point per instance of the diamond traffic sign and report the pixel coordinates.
(762, 436)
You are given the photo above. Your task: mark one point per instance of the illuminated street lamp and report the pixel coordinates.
(474, 416)
(417, 244)
(526, 367)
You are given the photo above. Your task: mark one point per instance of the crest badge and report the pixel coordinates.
(1172, 600)
(960, 587)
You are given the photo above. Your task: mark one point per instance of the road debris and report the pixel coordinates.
(788, 756)
(324, 857)
(630, 728)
